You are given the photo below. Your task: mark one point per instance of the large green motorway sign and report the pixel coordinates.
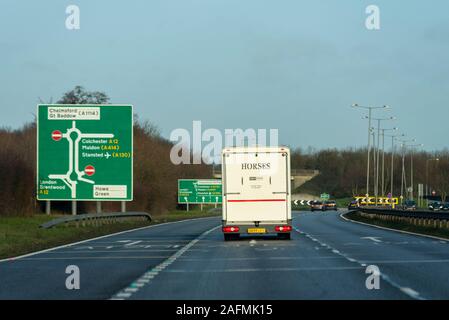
(199, 191)
(85, 152)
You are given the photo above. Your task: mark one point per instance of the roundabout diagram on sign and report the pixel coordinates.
(74, 175)
(84, 152)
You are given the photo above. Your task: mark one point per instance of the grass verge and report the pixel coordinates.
(21, 235)
(431, 231)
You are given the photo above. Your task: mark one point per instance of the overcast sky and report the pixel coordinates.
(296, 66)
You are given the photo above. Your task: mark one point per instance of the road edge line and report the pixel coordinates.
(92, 239)
(396, 230)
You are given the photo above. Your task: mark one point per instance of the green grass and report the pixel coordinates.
(21, 235)
(343, 202)
(437, 232)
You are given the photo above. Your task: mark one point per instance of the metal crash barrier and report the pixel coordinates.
(95, 218)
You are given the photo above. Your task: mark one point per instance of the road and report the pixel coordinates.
(326, 259)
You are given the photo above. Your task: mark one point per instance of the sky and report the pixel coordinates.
(296, 66)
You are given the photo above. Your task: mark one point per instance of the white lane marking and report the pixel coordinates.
(150, 274)
(97, 238)
(389, 229)
(375, 239)
(133, 243)
(408, 291)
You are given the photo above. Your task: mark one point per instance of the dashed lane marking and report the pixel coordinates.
(408, 291)
(152, 273)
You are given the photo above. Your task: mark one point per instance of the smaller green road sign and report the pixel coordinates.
(199, 191)
(325, 196)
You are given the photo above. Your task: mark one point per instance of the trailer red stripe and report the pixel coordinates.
(258, 200)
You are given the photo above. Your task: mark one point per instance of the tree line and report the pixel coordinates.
(343, 172)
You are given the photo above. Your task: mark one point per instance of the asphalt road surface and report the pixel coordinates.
(326, 259)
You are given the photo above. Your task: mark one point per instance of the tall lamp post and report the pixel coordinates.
(376, 185)
(411, 166)
(383, 158)
(403, 178)
(393, 138)
(370, 109)
(427, 177)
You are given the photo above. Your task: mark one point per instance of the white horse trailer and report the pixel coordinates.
(256, 191)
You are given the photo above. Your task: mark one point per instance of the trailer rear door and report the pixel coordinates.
(256, 186)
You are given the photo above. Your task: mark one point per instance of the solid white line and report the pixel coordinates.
(390, 229)
(92, 239)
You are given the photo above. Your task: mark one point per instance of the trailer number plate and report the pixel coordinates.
(257, 230)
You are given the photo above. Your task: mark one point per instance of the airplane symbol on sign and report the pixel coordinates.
(107, 155)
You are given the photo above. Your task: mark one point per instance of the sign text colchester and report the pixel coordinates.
(85, 152)
(199, 191)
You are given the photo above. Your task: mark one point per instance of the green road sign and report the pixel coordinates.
(85, 152)
(325, 196)
(199, 191)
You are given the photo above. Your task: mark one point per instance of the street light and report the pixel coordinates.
(393, 138)
(376, 188)
(427, 177)
(411, 166)
(403, 178)
(355, 105)
(383, 157)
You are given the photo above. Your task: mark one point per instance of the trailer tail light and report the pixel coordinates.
(230, 229)
(283, 228)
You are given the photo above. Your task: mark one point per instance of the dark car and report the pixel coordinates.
(354, 204)
(446, 206)
(409, 205)
(436, 206)
(330, 205)
(317, 205)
